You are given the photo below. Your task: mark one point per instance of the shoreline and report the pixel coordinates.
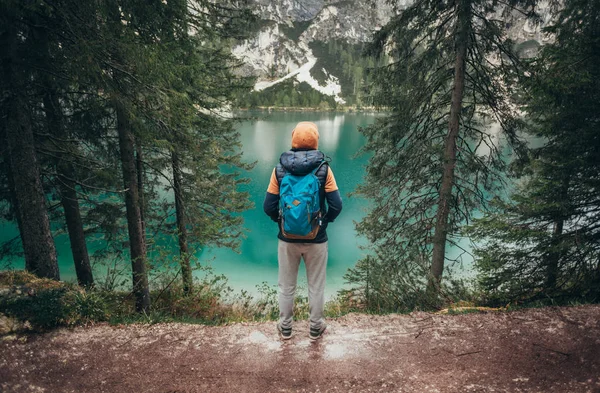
(270, 109)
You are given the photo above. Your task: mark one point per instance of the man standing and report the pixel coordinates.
(298, 164)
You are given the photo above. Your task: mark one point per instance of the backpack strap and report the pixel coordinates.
(314, 172)
(280, 172)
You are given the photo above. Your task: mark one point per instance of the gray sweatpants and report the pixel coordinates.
(315, 260)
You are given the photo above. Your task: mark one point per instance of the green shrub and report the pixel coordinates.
(43, 310)
(46, 304)
(84, 307)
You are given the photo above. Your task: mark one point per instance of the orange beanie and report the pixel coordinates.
(305, 136)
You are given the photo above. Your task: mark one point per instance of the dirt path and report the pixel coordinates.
(537, 350)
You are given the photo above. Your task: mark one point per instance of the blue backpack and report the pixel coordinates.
(299, 205)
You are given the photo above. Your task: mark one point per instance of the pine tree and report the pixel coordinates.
(181, 127)
(449, 75)
(202, 142)
(60, 146)
(545, 242)
(23, 161)
(122, 91)
(56, 75)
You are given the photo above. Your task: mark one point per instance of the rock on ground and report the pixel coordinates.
(534, 350)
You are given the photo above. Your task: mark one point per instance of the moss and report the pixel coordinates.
(22, 278)
(43, 303)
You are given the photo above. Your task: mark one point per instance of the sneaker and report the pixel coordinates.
(317, 333)
(285, 333)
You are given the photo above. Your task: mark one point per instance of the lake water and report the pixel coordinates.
(263, 141)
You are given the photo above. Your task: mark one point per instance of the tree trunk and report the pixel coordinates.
(68, 194)
(553, 257)
(81, 258)
(140, 181)
(186, 269)
(38, 245)
(137, 244)
(443, 210)
(64, 168)
(598, 272)
(11, 192)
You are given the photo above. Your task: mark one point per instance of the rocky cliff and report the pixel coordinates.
(282, 49)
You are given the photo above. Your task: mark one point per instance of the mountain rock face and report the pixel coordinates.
(281, 48)
(270, 54)
(352, 20)
(285, 10)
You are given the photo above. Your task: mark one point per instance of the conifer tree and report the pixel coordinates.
(183, 82)
(57, 73)
(128, 85)
(60, 146)
(29, 199)
(202, 140)
(545, 241)
(450, 74)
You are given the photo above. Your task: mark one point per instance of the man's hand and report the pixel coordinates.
(271, 206)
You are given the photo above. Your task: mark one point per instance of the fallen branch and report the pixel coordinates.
(461, 309)
(552, 350)
(468, 353)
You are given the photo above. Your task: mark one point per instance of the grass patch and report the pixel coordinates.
(43, 303)
(35, 304)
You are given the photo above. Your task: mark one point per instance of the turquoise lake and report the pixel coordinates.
(263, 141)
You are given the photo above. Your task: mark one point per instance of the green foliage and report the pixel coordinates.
(46, 304)
(341, 305)
(380, 289)
(169, 66)
(84, 307)
(411, 147)
(349, 64)
(43, 311)
(268, 304)
(21, 277)
(265, 306)
(544, 244)
(288, 93)
(204, 303)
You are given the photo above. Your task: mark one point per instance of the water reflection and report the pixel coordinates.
(329, 132)
(263, 141)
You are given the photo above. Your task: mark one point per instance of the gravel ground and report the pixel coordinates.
(534, 350)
